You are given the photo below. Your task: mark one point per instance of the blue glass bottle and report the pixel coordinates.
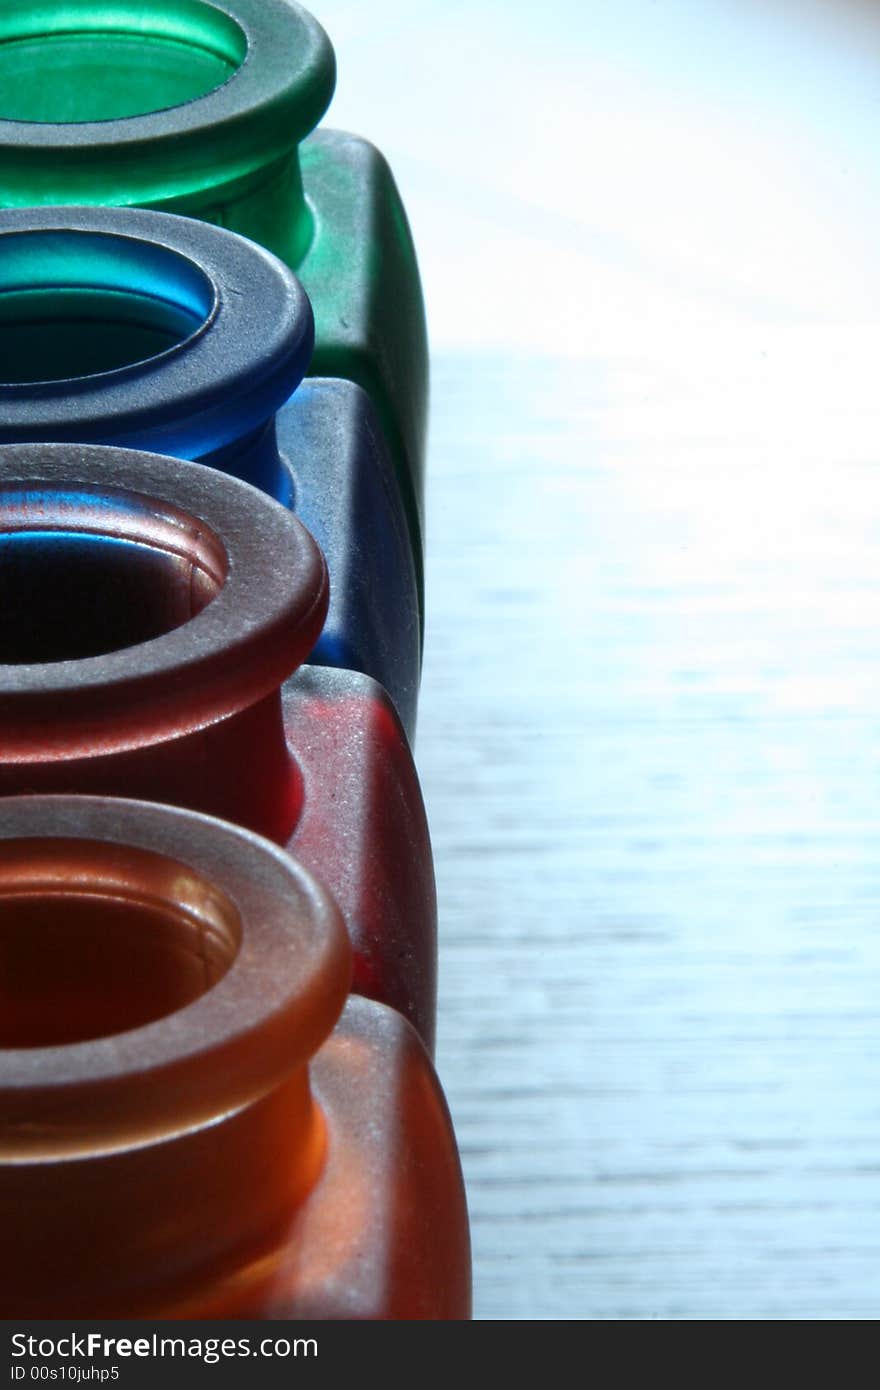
(138, 328)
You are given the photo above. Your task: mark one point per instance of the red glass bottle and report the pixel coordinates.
(120, 326)
(150, 609)
(183, 1132)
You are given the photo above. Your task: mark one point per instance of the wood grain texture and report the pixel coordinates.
(648, 731)
(649, 747)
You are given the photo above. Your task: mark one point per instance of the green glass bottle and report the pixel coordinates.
(204, 109)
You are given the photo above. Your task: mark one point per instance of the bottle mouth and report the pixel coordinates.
(71, 62)
(126, 326)
(85, 573)
(141, 598)
(75, 304)
(147, 102)
(160, 968)
(97, 939)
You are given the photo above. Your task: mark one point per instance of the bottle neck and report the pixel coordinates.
(267, 205)
(162, 1219)
(255, 459)
(239, 769)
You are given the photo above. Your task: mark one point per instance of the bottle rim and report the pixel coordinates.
(254, 1028)
(266, 615)
(219, 383)
(269, 103)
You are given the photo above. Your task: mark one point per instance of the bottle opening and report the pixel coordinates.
(97, 939)
(70, 61)
(82, 575)
(76, 304)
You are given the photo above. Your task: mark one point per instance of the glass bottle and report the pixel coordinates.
(205, 108)
(183, 1130)
(150, 610)
(124, 326)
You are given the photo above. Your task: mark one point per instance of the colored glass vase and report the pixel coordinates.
(125, 326)
(183, 1131)
(204, 108)
(150, 610)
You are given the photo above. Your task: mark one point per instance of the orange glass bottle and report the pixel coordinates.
(183, 1131)
(150, 610)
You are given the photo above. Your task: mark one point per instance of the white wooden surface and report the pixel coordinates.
(649, 731)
